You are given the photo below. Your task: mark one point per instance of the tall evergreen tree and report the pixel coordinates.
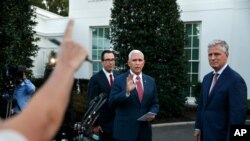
(16, 34)
(39, 3)
(155, 28)
(60, 7)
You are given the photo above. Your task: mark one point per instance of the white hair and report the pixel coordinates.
(222, 43)
(135, 51)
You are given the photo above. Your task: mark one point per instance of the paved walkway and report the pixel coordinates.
(181, 131)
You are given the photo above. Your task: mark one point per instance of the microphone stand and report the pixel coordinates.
(91, 116)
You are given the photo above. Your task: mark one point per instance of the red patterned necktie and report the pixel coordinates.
(139, 88)
(110, 80)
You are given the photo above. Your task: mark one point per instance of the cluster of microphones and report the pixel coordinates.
(84, 128)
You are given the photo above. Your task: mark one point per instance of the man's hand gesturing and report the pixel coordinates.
(130, 84)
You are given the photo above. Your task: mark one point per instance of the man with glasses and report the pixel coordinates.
(99, 83)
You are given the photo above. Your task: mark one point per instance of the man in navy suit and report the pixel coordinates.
(223, 97)
(99, 83)
(133, 95)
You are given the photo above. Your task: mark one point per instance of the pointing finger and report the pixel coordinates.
(68, 31)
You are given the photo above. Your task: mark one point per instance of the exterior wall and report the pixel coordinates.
(45, 30)
(87, 14)
(49, 25)
(220, 19)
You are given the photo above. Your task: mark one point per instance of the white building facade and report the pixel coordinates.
(205, 20)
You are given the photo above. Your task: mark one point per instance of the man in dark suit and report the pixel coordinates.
(99, 83)
(223, 97)
(133, 95)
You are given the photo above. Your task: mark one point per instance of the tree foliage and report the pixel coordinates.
(155, 28)
(60, 7)
(16, 34)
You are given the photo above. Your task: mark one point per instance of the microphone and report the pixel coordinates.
(103, 95)
(94, 106)
(92, 113)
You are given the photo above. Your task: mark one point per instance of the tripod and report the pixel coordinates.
(9, 106)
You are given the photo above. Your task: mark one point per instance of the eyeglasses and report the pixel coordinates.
(109, 60)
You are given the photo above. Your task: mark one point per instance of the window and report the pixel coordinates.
(192, 54)
(100, 42)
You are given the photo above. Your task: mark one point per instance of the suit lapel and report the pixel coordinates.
(135, 93)
(219, 83)
(145, 86)
(207, 85)
(115, 73)
(104, 79)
